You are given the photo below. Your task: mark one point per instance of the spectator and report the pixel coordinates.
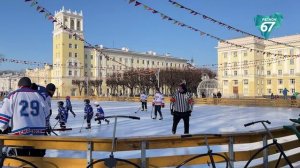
(284, 92)
(219, 95)
(203, 95)
(272, 96)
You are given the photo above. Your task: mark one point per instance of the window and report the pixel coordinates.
(268, 72)
(147, 62)
(279, 63)
(235, 54)
(293, 90)
(152, 62)
(91, 65)
(291, 51)
(70, 73)
(279, 72)
(78, 25)
(85, 65)
(72, 24)
(280, 81)
(225, 64)
(245, 72)
(126, 60)
(70, 63)
(120, 59)
(269, 91)
(132, 60)
(245, 53)
(113, 67)
(75, 73)
(75, 64)
(85, 73)
(245, 62)
(235, 73)
(280, 91)
(76, 46)
(269, 81)
(291, 71)
(292, 81)
(70, 36)
(158, 64)
(235, 64)
(85, 56)
(245, 81)
(100, 58)
(225, 73)
(292, 62)
(171, 64)
(236, 82)
(70, 45)
(225, 82)
(75, 55)
(143, 61)
(70, 54)
(225, 54)
(91, 56)
(138, 61)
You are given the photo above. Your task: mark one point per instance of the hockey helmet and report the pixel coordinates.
(97, 104)
(60, 103)
(87, 101)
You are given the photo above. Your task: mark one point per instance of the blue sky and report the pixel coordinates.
(27, 35)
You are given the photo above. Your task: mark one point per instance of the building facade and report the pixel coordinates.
(72, 60)
(244, 73)
(9, 82)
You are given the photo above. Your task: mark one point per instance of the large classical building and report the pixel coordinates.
(244, 73)
(9, 82)
(72, 60)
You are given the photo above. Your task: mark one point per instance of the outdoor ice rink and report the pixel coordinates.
(205, 119)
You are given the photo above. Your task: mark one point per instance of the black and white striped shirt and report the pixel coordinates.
(181, 103)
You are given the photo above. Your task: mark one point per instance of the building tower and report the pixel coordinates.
(68, 51)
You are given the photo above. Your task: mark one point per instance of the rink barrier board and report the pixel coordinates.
(264, 102)
(155, 142)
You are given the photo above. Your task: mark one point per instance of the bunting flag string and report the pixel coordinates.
(48, 15)
(203, 16)
(202, 33)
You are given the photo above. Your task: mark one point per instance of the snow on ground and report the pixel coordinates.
(205, 119)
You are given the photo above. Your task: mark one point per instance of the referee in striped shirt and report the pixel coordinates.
(181, 105)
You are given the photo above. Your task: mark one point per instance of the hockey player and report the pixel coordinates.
(158, 103)
(48, 93)
(61, 116)
(88, 113)
(100, 114)
(69, 107)
(143, 99)
(25, 110)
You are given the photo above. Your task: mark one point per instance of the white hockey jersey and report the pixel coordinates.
(158, 99)
(143, 97)
(25, 110)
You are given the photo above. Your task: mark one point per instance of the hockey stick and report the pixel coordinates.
(81, 126)
(138, 110)
(55, 124)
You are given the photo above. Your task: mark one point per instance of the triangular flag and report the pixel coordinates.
(130, 1)
(137, 3)
(43, 10)
(28, 0)
(33, 3)
(38, 8)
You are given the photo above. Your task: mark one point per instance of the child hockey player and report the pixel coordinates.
(100, 114)
(69, 107)
(88, 113)
(61, 116)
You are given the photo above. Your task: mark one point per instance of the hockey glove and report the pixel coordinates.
(6, 131)
(57, 117)
(153, 104)
(85, 117)
(74, 115)
(190, 113)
